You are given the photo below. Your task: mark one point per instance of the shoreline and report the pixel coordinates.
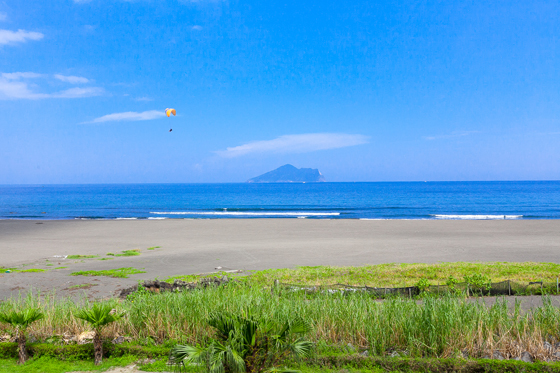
(299, 216)
(202, 245)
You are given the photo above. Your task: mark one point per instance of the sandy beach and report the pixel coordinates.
(200, 246)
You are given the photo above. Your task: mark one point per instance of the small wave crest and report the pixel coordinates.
(238, 213)
(477, 217)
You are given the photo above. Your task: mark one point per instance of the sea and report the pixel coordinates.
(363, 200)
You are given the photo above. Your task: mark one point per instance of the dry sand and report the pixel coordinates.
(200, 246)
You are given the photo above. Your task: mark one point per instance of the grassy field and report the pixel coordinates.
(348, 364)
(396, 275)
(447, 326)
(434, 327)
(381, 275)
(52, 365)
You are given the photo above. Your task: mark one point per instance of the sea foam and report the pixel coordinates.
(238, 213)
(477, 217)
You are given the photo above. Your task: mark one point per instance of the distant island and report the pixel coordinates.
(290, 174)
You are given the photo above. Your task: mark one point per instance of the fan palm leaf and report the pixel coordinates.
(243, 343)
(20, 321)
(98, 316)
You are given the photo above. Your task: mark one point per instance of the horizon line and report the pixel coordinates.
(287, 182)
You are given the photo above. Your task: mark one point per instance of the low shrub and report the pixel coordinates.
(71, 352)
(389, 364)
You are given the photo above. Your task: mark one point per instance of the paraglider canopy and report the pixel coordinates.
(168, 112)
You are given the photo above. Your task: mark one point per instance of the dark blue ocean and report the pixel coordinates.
(380, 200)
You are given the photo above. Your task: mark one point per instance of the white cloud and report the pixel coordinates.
(79, 92)
(19, 36)
(14, 86)
(129, 116)
(296, 144)
(71, 79)
(196, 27)
(17, 90)
(20, 75)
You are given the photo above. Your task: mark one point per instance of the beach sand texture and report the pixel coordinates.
(200, 246)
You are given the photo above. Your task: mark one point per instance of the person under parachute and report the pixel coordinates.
(168, 112)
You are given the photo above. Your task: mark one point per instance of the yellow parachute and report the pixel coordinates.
(170, 111)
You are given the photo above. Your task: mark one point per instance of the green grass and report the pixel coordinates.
(345, 369)
(353, 363)
(32, 270)
(134, 252)
(81, 256)
(434, 327)
(153, 248)
(60, 267)
(397, 275)
(52, 365)
(344, 364)
(119, 272)
(105, 258)
(81, 286)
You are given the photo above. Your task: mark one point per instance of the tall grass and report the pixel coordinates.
(432, 327)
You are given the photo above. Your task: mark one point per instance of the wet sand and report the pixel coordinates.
(200, 246)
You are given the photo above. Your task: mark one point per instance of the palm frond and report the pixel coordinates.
(234, 360)
(99, 315)
(249, 331)
(224, 323)
(21, 319)
(299, 326)
(187, 355)
(300, 348)
(216, 359)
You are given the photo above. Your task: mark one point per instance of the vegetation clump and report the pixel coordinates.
(244, 344)
(134, 252)
(439, 327)
(406, 274)
(29, 270)
(98, 316)
(81, 286)
(20, 321)
(447, 325)
(118, 272)
(81, 256)
(478, 283)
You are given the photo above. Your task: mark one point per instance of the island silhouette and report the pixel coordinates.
(290, 174)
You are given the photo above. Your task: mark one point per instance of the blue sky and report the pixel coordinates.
(361, 90)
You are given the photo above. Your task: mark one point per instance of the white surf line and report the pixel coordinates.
(478, 217)
(237, 213)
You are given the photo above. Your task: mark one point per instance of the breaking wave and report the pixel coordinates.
(477, 217)
(238, 213)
